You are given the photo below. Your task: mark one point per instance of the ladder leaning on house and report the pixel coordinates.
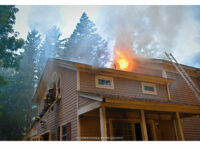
(49, 109)
(184, 75)
(35, 122)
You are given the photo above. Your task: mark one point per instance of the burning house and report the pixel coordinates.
(137, 99)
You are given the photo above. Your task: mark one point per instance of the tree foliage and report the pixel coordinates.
(50, 48)
(9, 58)
(86, 45)
(9, 43)
(16, 97)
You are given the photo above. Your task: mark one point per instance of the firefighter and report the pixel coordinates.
(49, 99)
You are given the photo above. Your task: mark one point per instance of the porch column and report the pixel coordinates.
(102, 113)
(79, 129)
(179, 127)
(144, 127)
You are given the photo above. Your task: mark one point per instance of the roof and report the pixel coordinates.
(105, 95)
(108, 71)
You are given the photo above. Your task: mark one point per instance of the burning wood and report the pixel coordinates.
(124, 60)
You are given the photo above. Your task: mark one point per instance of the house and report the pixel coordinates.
(151, 103)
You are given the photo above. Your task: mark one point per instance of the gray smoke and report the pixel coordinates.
(147, 30)
(43, 18)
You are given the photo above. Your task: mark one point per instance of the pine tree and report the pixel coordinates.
(85, 45)
(16, 97)
(28, 71)
(50, 47)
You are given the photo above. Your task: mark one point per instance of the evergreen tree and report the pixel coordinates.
(12, 120)
(28, 71)
(85, 45)
(9, 43)
(16, 97)
(50, 48)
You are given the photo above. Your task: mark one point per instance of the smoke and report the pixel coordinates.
(43, 18)
(147, 30)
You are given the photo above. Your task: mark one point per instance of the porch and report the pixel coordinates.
(123, 120)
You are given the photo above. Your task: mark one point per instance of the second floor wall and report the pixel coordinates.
(179, 91)
(121, 87)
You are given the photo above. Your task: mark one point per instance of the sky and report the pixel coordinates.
(178, 29)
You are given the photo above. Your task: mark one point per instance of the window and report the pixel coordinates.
(66, 132)
(104, 82)
(55, 83)
(149, 88)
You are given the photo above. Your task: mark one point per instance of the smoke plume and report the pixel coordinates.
(147, 30)
(43, 18)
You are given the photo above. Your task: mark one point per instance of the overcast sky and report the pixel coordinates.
(187, 33)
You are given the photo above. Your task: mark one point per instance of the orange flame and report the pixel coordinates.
(123, 60)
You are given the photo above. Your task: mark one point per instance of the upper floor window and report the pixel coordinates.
(149, 88)
(55, 83)
(104, 82)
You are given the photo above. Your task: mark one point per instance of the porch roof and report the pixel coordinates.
(115, 101)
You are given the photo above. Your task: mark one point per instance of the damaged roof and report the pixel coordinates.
(49, 69)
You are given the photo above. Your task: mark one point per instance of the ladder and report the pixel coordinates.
(184, 75)
(49, 109)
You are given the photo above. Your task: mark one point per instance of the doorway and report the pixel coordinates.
(125, 130)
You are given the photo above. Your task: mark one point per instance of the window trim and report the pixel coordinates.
(104, 78)
(149, 92)
(61, 131)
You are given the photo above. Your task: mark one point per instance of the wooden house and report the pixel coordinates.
(151, 103)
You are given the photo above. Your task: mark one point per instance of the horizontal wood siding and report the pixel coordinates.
(90, 128)
(122, 87)
(191, 128)
(51, 121)
(84, 101)
(180, 91)
(65, 110)
(68, 104)
(148, 71)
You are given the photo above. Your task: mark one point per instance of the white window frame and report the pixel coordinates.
(149, 92)
(104, 78)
